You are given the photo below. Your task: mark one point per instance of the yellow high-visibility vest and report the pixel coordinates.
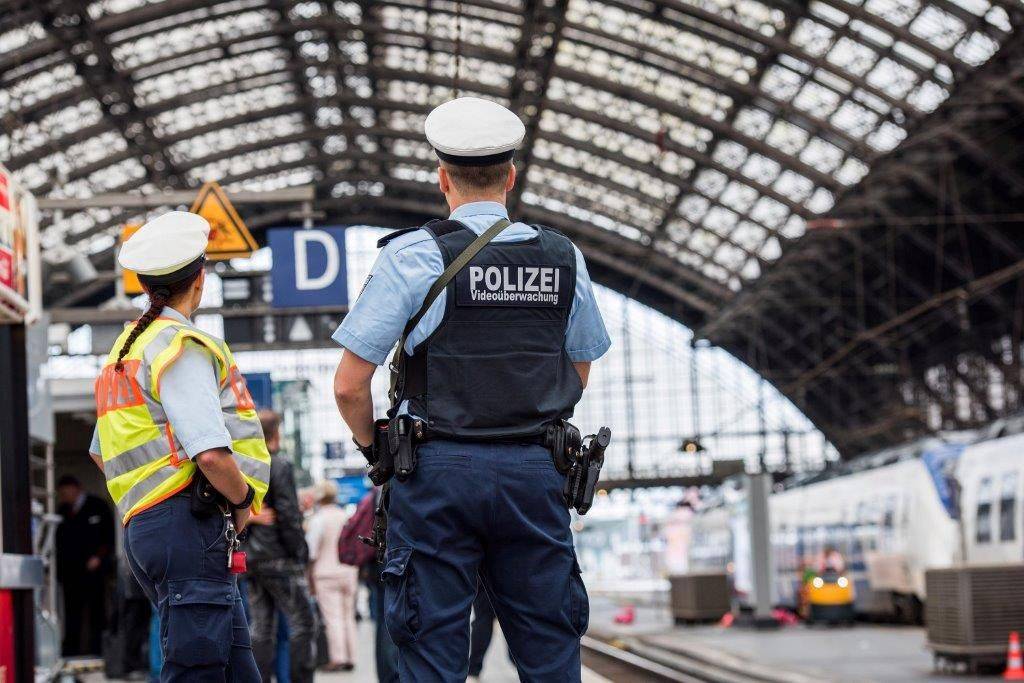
(143, 460)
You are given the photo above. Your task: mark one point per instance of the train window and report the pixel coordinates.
(983, 516)
(889, 517)
(1008, 507)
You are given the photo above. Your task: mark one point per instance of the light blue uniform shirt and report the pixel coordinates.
(190, 395)
(411, 263)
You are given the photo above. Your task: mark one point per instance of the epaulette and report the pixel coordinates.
(440, 228)
(383, 241)
(539, 227)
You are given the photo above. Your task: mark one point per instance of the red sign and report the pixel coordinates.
(5, 199)
(6, 268)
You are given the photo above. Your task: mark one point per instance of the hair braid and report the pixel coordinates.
(160, 295)
(158, 298)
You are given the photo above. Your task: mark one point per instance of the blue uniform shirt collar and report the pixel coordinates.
(479, 209)
(175, 314)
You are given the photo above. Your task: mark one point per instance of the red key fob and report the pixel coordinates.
(238, 562)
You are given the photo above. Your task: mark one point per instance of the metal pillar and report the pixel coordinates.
(629, 387)
(758, 489)
(15, 496)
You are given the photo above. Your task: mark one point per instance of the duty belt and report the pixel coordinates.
(579, 458)
(393, 454)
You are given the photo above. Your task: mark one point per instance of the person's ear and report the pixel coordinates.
(197, 286)
(443, 180)
(510, 182)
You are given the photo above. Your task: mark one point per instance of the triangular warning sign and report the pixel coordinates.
(229, 238)
(300, 331)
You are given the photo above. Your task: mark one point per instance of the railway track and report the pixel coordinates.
(638, 659)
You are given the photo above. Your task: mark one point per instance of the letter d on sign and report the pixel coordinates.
(303, 281)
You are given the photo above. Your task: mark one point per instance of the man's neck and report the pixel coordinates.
(455, 202)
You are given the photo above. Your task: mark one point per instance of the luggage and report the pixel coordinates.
(351, 550)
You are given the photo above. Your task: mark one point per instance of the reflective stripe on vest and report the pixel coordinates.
(143, 461)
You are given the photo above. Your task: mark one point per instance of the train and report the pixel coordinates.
(892, 515)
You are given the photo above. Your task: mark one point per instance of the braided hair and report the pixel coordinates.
(159, 296)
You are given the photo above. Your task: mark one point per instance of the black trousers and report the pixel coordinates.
(281, 586)
(85, 605)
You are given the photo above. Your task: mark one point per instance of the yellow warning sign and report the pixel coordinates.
(128, 277)
(229, 238)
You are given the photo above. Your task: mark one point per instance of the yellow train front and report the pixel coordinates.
(830, 599)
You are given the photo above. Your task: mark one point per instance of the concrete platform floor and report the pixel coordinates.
(857, 654)
(497, 667)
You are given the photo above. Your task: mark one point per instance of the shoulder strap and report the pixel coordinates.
(457, 264)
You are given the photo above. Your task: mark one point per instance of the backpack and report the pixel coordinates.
(351, 550)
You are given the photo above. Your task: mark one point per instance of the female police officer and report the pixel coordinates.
(169, 400)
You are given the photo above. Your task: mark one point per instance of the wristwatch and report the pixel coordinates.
(247, 501)
(367, 451)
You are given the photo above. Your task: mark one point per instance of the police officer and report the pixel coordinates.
(501, 353)
(180, 445)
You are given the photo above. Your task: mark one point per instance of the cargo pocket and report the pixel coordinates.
(199, 618)
(578, 600)
(401, 598)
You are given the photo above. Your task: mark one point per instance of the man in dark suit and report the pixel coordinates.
(277, 559)
(85, 545)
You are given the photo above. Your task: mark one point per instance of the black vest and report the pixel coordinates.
(496, 367)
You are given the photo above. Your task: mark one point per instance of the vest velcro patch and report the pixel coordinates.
(513, 285)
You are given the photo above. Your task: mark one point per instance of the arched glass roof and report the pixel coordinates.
(681, 142)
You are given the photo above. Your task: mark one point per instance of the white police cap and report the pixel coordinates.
(469, 131)
(168, 248)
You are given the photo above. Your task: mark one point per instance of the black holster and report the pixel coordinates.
(394, 448)
(581, 484)
(382, 464)
(580, 463)
(205, 501)
(564, 441)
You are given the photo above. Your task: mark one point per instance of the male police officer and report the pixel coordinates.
(503, 352)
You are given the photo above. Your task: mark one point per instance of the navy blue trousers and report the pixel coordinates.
(494, 511)
(181, 564)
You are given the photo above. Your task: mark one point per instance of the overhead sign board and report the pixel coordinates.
(129, 277)
(229, 238)
(19, 250)
(309, 267)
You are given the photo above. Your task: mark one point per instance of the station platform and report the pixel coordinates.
(857, 654)
(497, 667)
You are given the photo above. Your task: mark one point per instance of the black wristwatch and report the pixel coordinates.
(247, 501)
(367, 451)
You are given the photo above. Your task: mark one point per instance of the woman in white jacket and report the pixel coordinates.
(334, 583)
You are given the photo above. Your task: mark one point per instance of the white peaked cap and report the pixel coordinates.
(165, 244)
(470, 131)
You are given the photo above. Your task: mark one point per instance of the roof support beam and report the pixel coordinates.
(539, 38)
(69, 23)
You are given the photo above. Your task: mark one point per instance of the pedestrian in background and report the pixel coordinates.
(85, 541)
(481, 631)
(334, 583)
(277, 558)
